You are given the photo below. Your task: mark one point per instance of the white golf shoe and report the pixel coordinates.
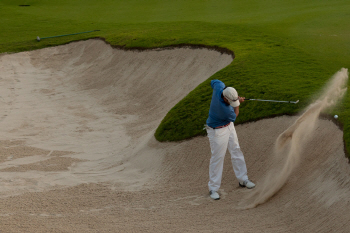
(247, 183)
(214, 195)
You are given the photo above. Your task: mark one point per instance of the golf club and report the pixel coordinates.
(278, 101)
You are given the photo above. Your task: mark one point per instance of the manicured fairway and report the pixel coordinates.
(283, 50)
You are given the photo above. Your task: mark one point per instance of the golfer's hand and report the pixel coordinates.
(241, 99)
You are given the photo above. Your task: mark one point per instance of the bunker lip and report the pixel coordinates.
(171, 47)
(77, 148)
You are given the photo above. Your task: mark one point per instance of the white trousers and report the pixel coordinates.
(221, 140)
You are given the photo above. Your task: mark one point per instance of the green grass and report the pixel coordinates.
(283, 49)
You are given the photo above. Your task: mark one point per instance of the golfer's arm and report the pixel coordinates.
(236, 111)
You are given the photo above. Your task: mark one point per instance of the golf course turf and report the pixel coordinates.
(283, 50)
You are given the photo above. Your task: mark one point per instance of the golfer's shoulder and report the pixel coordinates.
(217, 84)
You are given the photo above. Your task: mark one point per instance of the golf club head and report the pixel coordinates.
(38, 38)
(296, 102)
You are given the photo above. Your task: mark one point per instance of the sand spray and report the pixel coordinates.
(289, 145)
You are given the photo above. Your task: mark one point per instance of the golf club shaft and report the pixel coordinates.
(276, 101)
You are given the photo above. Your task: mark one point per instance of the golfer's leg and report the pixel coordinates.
(237, 157)
(218, 140)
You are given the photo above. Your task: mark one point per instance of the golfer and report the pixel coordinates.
(224, 109)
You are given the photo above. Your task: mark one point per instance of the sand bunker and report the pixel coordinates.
(78, 152)
(99, 105)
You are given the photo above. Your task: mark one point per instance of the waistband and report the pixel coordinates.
(223, 126)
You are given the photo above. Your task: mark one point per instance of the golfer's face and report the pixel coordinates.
(226, 101)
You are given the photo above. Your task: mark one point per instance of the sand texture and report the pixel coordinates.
(77, 151)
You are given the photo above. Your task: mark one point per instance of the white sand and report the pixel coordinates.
(78, 152)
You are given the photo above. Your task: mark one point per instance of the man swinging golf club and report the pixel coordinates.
(224, 109)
